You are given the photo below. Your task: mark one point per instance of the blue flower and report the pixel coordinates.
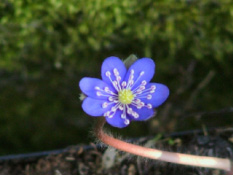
(123, 95)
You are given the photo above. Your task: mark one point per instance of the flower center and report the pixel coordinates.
(125, 96)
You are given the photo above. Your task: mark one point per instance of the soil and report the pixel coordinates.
(102, 160)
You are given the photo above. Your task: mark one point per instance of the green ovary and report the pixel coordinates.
(125, 96)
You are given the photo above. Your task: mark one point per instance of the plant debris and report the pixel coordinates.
(89, 160)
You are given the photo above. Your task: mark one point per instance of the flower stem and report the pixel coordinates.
(178, 158)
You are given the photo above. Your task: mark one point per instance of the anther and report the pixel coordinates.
(113, 109)
(108, 74)
(97, 88)
(153, 87)
(140, 105)
(142, 73)
(123, 116)
(121, 107)
(98, 94)
(110, 116)
(106, 114)
(129, 110)
(131, 82)
(118, 78)
(106, 89)
(149, 97)
(110, 98)
(149, 106)
(131, 77)
(105, 105)
(138, 91)
(123, 84)
(142, 87)
(132, 71)
(135, 115)
(143, 83)
(126, 121)
(115, 71)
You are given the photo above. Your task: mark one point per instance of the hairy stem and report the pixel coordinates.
(178, 158)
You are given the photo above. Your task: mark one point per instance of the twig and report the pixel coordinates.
(178, 158)
(200, 86)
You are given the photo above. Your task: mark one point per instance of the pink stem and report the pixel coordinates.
(178, 158)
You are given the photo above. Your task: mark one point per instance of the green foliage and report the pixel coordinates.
(46, 46)
(60, 32)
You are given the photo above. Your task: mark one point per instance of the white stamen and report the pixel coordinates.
(106, 89)
(98, 93)
(123, 84)
(149, 97)
(121, 107)
(118, 78)
(142, 87)
(143, 83)
(149, 106)
(126, 121)
(105, 105)
(129, 110)
(142, 73)
(106, 114)
(131, 71)
(113, 109)
(153, 87)
(108, 74)
(131, 82)
(114, 83)
(123, 116)
(135, 115)
(139, 91)
(97, 88)
(110, 98)
(115, 71)
(110, 116)
(140, 105)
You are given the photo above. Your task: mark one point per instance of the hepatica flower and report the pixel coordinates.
(123, 95)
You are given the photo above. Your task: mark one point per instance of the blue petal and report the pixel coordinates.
(110, 64)
(116, 120)
(159, 96)
(88, 85)
(145, 65)
(94, 107)
(144, 113)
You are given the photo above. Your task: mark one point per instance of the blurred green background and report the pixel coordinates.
(47, 46)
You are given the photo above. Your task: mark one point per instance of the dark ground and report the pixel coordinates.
(100, 160)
